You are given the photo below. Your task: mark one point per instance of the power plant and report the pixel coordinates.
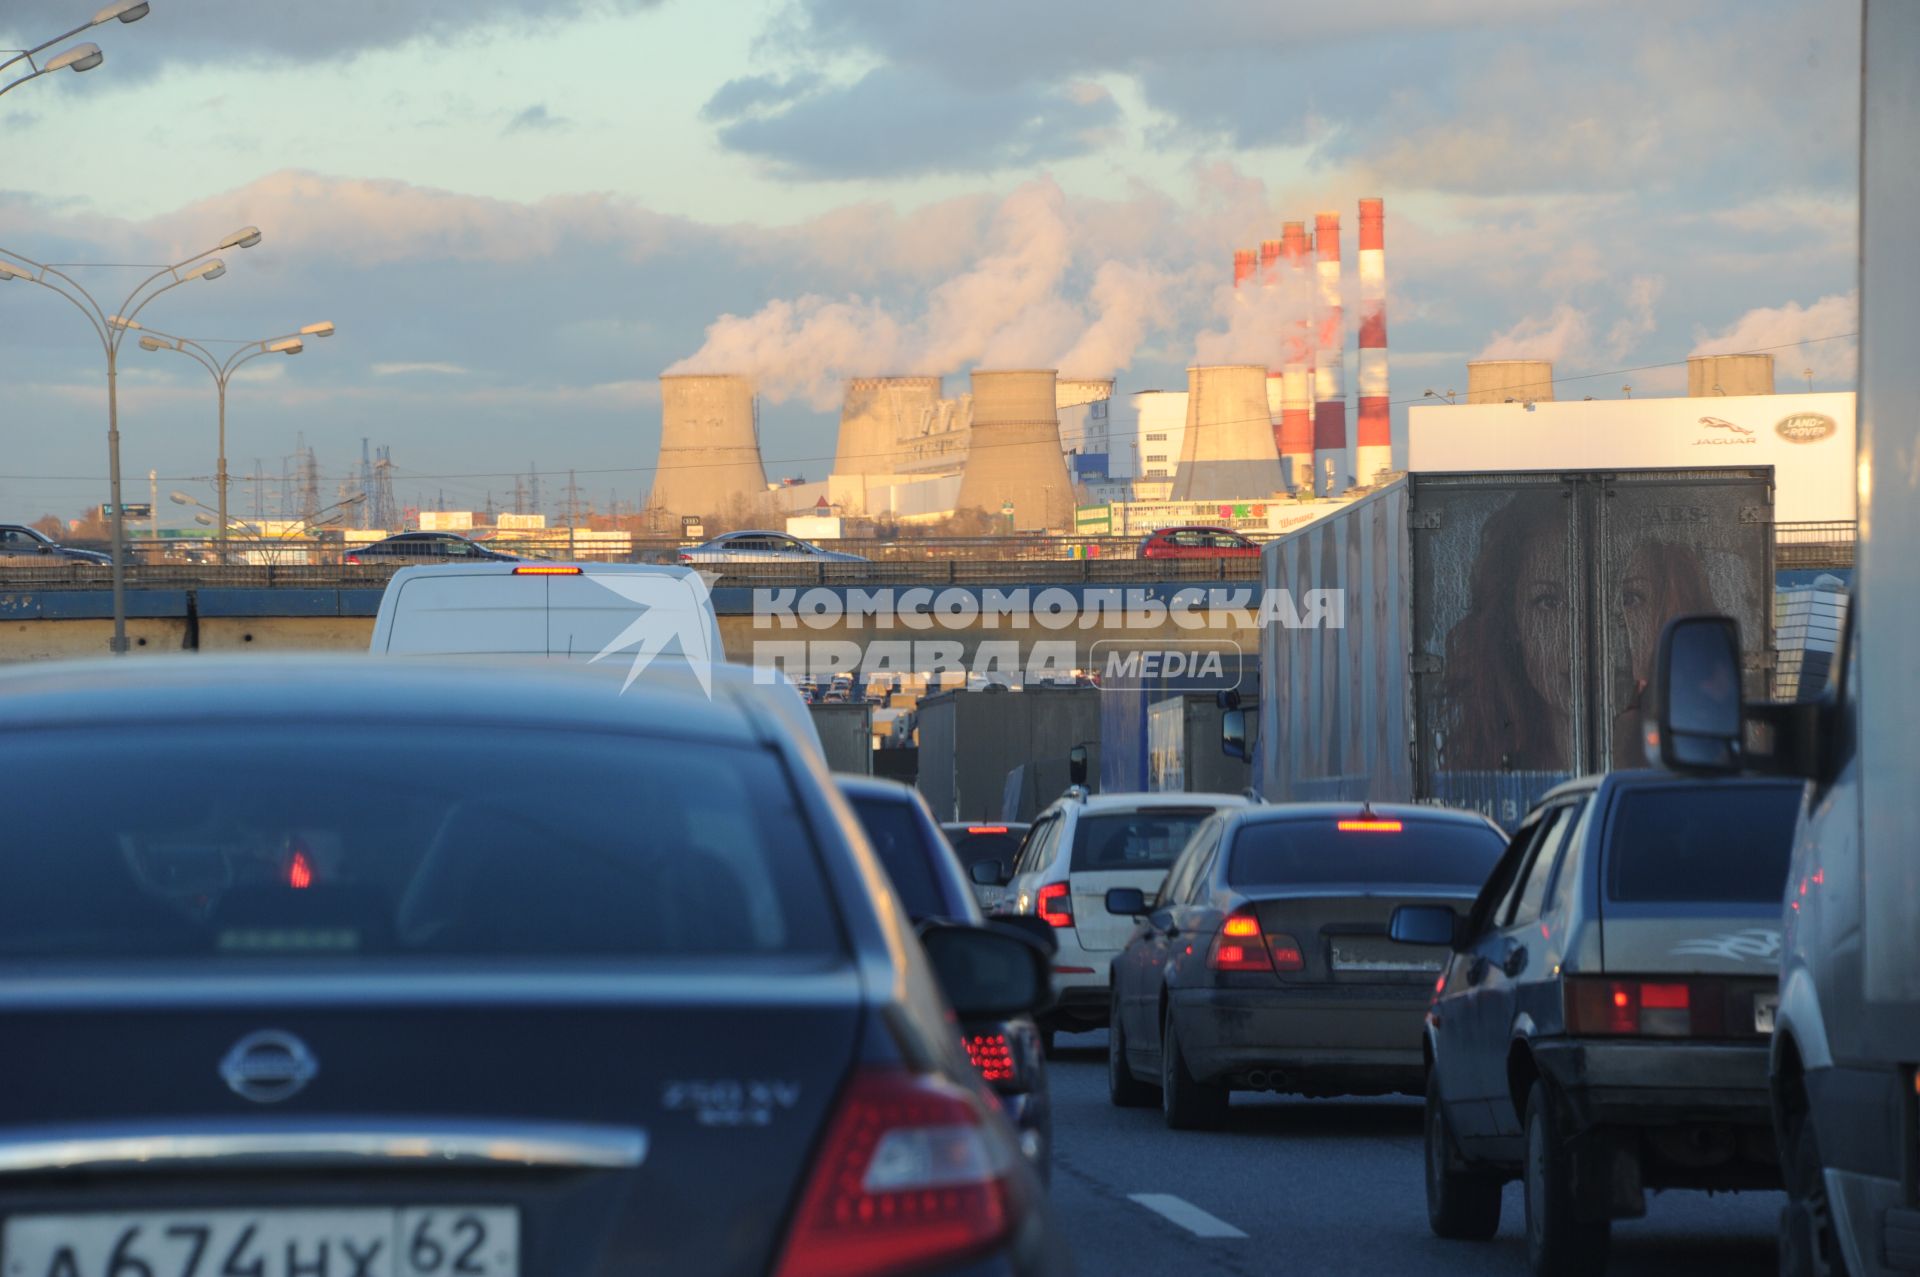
(1014, 464)
(709, 446)
(1228, 452)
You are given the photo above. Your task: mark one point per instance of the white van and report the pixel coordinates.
(597, 616)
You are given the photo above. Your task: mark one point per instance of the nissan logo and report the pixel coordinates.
(268, 1066)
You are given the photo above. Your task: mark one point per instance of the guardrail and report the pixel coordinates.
(1815, 545)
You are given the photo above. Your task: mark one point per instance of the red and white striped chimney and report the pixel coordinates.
(1296, 384)
(1243, 265)
(1269, 283)
(1329, 378)
(1375, 451)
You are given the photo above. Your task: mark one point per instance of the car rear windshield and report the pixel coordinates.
(900, 840)
(1145, 839)
(331, 843)
(1317, 852)
(972, 848)
(1701, 843)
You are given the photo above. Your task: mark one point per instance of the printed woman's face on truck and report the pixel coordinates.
(1542, 596)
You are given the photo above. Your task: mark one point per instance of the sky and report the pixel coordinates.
(518, 213)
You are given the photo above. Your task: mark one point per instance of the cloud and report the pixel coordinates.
(429, 366)
(1818, 337)
(1642, 296)
(534, 119)
(226, 31)
(1563, 332)
(892, 123)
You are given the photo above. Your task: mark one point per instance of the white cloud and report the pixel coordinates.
(426, 366)
(1817, 337)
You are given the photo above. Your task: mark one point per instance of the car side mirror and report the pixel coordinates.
(987, 973)
(1697, 721)
(1126, 902)
(1233, 733)
(1077, 765)
(1426, 924)
(988, 873)
(43, 547)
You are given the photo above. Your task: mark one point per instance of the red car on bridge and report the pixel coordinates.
(1197, 543)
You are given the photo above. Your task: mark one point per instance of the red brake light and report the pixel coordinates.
(1060, 914)
(1369, 826)
(991, 1055)
(1241, 924)
(1241, 946)
(1286, 952)
(986, 829)
(908, 1177)
(546, 570)
(353, 558)
(1646, 1008)
(300, 872)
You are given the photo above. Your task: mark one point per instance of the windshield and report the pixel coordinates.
(1702, 843)
(1146, 839)
(1318, 852)
(330, 843)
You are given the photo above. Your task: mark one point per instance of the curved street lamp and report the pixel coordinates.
(223, 369)
(110, 329)
(81, 57)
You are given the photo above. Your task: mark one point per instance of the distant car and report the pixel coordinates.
(636, 1007)
(1264, 963)
(995, 844)
(927, 878)
(415, 547)
(1603, 1023)
(1075, 850)
(763, 547)
(22, 546)
(1197, 543)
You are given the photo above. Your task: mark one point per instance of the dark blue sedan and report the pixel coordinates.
(633, 1005)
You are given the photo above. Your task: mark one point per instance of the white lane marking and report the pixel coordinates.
(1186, 1214)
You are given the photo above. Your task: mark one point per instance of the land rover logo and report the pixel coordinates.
(268, 1066)
(1805, 427)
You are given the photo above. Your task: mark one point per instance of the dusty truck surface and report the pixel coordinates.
(971, 740)
(1498, 631)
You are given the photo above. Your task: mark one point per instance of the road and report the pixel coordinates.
(1318, 1187)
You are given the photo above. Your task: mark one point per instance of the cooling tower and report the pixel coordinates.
(1014, 457)
(1228, 452)
(1729, 375)
(1296, 384)
(1374, 453)
(1498, 380)
(709, 455)
(877, 418)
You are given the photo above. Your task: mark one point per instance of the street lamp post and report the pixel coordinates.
(223, 369)
(205, 517)
(81, 57)
(110, 329)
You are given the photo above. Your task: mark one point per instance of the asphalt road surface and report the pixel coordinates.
(1307, 1187)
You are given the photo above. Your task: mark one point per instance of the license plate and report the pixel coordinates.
(1381, 955)
(1764, 1009)
(408, 1241)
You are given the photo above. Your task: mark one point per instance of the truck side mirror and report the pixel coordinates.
(1697, 722)
(1233, 733)
(1077, 765)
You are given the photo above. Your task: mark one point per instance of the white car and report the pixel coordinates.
(763, 547)
(586, 615)
(1079, 848)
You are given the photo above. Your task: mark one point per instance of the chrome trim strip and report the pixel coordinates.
(347, 1142)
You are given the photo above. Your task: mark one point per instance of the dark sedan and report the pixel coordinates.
(427, 547)
(928, 879)
(635, 1007)
(22, 546)
(1264, 963)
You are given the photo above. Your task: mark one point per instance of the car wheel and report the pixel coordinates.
(1462, 1204)
(1559, 1242)
(1809, 1246)
(1187, 1105)
(1124, 1089)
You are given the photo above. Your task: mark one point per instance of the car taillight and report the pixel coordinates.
(992, 1055)
(1368, 826)
(986, 829)
(1054, 905)
(1666, 1008)
(909, 1176)
(353, 558)
(1241, 946)
(686, 558)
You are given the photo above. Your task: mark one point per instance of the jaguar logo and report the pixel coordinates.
(1735, 434)
(1805, 427)
(268, 1066)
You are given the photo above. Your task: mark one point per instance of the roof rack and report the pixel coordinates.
(1253, 795)
(1077, 793)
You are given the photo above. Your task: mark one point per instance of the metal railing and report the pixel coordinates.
(1827, 544)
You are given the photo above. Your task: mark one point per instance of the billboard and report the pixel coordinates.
(1808, 440)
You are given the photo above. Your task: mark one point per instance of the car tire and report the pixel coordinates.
(1187, 1105)
(1462, 1204)
(1809, 1247)
(1559, 1242)
(1125, 1090)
